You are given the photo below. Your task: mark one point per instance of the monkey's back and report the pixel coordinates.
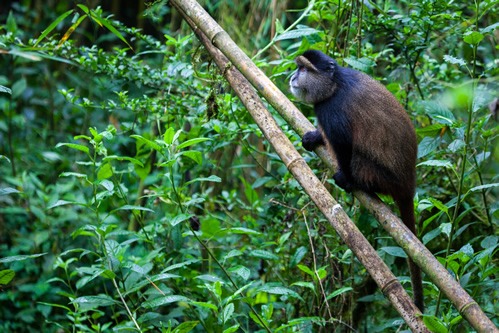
(384, 145)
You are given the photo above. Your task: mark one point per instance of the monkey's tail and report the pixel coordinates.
(406, 207)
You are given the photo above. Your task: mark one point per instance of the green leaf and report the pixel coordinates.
(437, 163)
(484, 187)
(262, 254)
(6, 276)
(427, 146)
(53, 25)
(4, 89)
(123, 158)
(168, 136)
(133, 207)
(473, 37)
(164, 300)
(180, 218)
(297, 33)
(195, 155)
(92, 302)
(63, 203)
(147, 142)
(339, 292)
(186, 327)
(304, 284)
(211, 178)
(243, 231)
(19, 87)
(394, 251)
(361, 64)
(21, 257)
(278, 290)
(228, 311)
(104, 22)
(438, 112)
(231, 329)
(191, 142)
(307, 270)
(105, 171)
(8, 190)
(205, 305)
(434, 324)
(74, 146)
(242, 271)
(298, 256)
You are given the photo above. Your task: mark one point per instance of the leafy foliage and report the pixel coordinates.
(137, 194)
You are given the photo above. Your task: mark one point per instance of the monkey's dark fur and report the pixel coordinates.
(368, 131)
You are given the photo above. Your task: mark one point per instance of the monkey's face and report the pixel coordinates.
(313, 80)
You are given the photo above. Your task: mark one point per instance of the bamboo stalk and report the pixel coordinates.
(332, 210)
(347, 230)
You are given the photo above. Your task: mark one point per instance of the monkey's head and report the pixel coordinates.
(313, 80)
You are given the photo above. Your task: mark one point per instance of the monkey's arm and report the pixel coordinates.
(312, 139)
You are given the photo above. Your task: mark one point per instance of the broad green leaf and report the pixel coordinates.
(92, 302)
(147, 142)
(194, 155)
(304, 284)
(278, 290)
(191, 142)
(434, 324)
(74, 146)
(307, 270)
(437, 163)
(361, 64)
(6, 276)
(63, 203)
(164, 300)
(394, 251)
(180, 218)
(228, 311)
(473, 37)
(205, 305)
(105, 171)
(19, 87)
(168, 136)
(298, 256)
(242, 271)
(297, 33)
(428, 145)
(231, 329)
(186, 326)
(262, 254)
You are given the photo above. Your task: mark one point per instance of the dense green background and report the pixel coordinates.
(136, 194)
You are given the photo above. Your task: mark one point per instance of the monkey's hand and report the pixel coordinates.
(312, 139)
(341, 180)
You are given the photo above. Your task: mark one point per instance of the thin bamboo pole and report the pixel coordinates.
(390, 222)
